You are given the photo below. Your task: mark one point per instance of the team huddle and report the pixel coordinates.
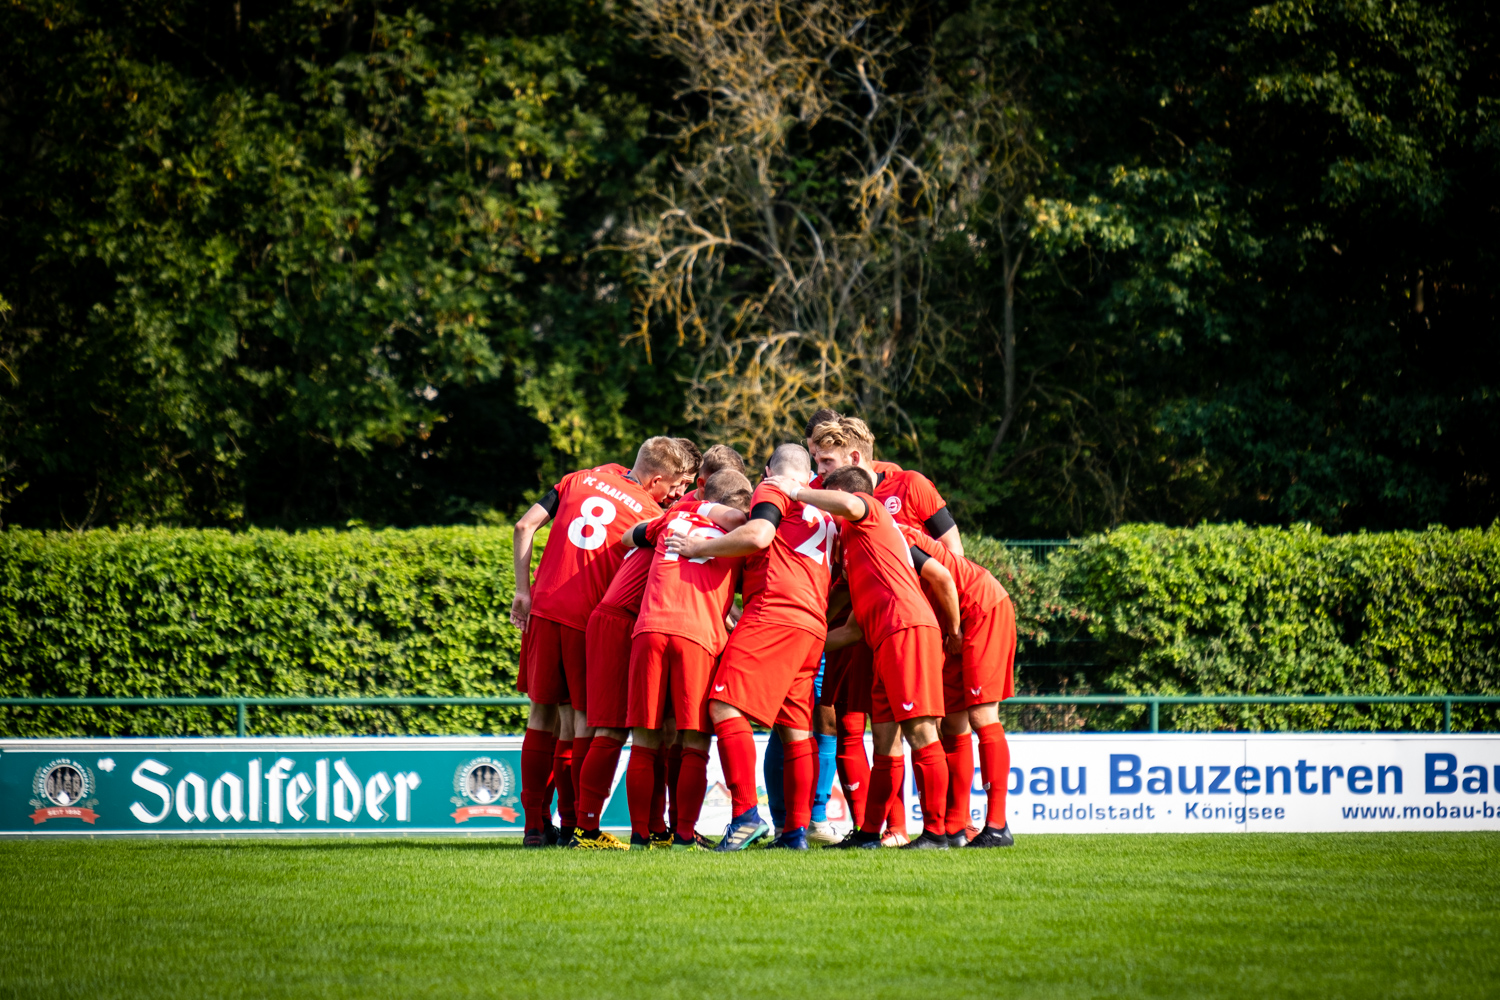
(857, 605)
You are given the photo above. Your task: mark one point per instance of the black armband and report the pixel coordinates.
(918, 558)
(766, 511)
(638, 535)
(940, 523)
(549, 502)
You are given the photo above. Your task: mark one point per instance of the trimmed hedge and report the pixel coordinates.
(186, 612)
(1227, 609)
(1220, 609)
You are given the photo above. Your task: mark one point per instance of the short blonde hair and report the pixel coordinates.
(661, 456)
(844, 433)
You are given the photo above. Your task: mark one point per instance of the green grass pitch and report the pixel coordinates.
(1326, 916)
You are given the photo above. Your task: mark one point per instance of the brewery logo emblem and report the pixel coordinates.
(485, 787)
(893, 504)
(63, 789)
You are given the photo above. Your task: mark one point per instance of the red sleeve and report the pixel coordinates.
(653, 530)
(870, 504)
(922, 498)
(766, 493)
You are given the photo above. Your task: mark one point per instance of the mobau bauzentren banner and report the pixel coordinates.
(1124, 783)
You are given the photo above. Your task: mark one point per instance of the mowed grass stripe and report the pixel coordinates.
(1352, 915)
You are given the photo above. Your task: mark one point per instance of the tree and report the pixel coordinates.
(818, 164)
(260, 265)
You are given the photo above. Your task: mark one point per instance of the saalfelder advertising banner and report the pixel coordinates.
(1057, 783)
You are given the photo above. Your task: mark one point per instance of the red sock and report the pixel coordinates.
(931, 768)
(581, 746)
(674, 768)
(640, 782)
(882, 791)
(994, 768)
(536, 776)
(799, 779)
(562, 776)
(960, 753)
(854, 766)
(659, 794)
(895, 813)
(692, 785)
(598, 773)
(737, 758)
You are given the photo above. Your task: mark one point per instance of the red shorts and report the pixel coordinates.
(848, 678)
(557, 664)
(523, 661)
(986, 671)
(608, 682)
(767, 672)
(908, 675)
(669, 676)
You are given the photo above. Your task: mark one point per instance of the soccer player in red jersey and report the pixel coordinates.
(669, 758)
(608, 652)
(593, 508)
(891, 611)
(910, 497)
(583, 734)
(678, 637)
(975, 681)
(772, 658)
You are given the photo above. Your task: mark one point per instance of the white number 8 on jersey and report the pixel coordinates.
(587, 529)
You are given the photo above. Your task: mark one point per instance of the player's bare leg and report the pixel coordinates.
(994, 770)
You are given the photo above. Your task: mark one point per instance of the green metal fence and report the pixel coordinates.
(1154, 701)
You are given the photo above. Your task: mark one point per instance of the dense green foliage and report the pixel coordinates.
(1237, 610)
(290, 264)
(1213, 610)
(1215, 915)
(171, 612)
(305, 261)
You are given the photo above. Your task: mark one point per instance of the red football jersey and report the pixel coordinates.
(886, 591)
(787, 584)
(909, 496)
(625, 590)
(978, 591)
(688, 597)
(595, 507)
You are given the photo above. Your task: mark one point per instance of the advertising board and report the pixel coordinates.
(1057, 783)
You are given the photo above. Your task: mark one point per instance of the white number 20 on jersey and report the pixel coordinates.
(587, 529)
(679, 524)
(813, 547)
